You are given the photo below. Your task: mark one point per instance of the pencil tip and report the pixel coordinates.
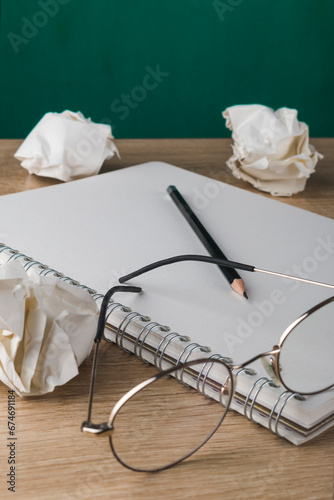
(239, 286)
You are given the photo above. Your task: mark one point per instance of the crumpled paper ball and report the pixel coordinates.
(271, 149)
(66, 146)
(47, 328)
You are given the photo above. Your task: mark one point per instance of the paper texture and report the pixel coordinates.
(66, 146)
(271, 149)
(47, 328)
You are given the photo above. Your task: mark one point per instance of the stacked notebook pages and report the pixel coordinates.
(126, 220)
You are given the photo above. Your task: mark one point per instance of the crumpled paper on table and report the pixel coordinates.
(66, 146)
(271, 149)
(47, 329)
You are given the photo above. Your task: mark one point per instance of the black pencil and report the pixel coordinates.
(230, 274)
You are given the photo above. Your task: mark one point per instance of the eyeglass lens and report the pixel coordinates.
(307, 354)
(166, 421)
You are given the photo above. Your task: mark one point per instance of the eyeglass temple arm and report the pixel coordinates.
(104, 306)
(99, 334)
(181, 258)
(219, 262)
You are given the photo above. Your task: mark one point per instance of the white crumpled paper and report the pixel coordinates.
(66, 146)
(271, 149)
(47, 329)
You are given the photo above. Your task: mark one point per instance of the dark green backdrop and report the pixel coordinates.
(165, 68)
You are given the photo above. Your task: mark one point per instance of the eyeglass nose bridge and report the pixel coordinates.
(104, 429)
(271, 365)
(269, 360)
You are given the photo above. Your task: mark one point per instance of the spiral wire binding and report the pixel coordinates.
(29, 264)
(259, 384)
(247, 371)
(96, 296)
(187, 351)
(256, 383)
(209, 364)
(121, 330)
(160, 353)
(295, 395)
(281, 396)
(44, 269)
(5, 248)
(112, 306)
(200, 385)
(285, 396)
(19, 255)
(47, 271)
(266, 382)
(167, 339)
(33, 263)
(143, 334)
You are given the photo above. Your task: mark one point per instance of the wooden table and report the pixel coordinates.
(54, 459)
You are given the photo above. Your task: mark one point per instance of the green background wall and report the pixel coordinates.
(91, 55)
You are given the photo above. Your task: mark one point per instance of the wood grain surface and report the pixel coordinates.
(54, 460)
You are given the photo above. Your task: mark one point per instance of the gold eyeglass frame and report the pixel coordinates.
(273, 367)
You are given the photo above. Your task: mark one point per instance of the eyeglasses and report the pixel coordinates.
(161, 422)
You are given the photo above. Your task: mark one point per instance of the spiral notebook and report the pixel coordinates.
(93, 231)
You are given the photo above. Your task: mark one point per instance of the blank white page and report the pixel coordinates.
(100, 228)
